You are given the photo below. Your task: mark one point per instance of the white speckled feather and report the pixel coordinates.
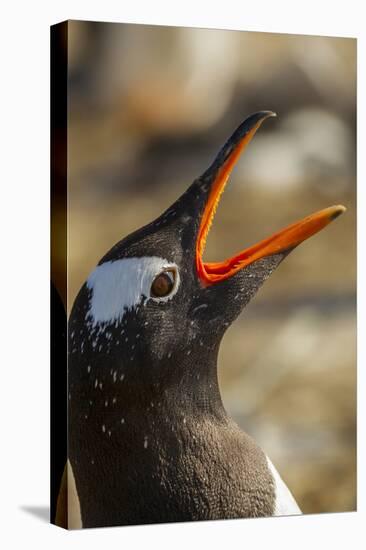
(285, 504)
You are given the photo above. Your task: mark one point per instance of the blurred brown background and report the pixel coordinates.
(149, 107)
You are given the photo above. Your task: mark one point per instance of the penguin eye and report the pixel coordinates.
(163, 284)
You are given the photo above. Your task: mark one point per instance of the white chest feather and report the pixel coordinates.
(285, 504)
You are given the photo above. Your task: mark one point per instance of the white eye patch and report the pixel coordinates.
(120, 285)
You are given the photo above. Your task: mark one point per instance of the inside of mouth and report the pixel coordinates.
(212, 272)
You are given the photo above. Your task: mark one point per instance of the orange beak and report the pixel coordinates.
(286, 239)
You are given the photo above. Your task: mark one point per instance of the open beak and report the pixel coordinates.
(284, 240)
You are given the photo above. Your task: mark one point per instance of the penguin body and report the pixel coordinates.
(149, 438)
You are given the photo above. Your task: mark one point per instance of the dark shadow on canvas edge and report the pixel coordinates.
(40, 512)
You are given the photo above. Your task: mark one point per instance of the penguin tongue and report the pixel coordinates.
(285, 239)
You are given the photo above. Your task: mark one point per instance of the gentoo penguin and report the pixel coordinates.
(149, 438)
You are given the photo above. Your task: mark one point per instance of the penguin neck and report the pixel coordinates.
(184, 384)
(193, 388)
(182, 387)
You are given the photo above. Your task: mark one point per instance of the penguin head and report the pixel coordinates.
(152, 299)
